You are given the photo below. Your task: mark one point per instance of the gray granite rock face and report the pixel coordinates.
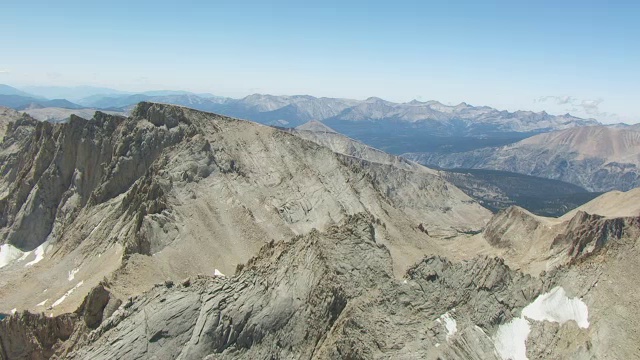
(329, 295)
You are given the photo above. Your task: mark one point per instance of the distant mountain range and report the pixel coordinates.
(396, 128)
(393, 127)
(8, 90)
(598, 158)
(20, 100)
(291, 111)
(76, 93)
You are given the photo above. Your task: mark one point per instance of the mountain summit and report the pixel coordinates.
(171, 191)
(178, 234)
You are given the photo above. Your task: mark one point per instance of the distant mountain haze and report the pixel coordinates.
(9, 90)
(598, 158)
(397, 128)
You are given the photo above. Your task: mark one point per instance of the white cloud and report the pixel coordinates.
(591, 106)
(5, 72)
(588, 107)
(560, 100)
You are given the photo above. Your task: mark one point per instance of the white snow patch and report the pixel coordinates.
(510, 339)
(59, 301)
(555, 306)
(42, 303)
(72, 274)
(40, 251)
(449, 323)
(9, 253)
(217, 272)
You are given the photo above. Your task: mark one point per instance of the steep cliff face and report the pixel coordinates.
(336, 253)
(62, 169)
(535, 243)
(171, 191)
(586, 233)
(36, 336)
(6, 116)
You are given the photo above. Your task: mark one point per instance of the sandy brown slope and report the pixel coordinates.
(171, 192)
(612, 204)
(597, 158)
(536, 243)
(611, 144)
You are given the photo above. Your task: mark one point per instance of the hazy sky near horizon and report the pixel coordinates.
(581, 57)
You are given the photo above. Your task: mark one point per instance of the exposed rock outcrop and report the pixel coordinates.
(333, 295)
(312, 297)
(6, 116)
(37, 336)
(586, 233)
(34, 336)
(169, 192)
(535, 243)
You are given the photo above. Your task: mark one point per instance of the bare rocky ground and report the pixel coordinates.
(171, 192)
(334, 295)
(332, 255)
(6, 116)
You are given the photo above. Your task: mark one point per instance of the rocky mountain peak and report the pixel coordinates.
(160, 114)
(173, 190)
(374, 99)
(339, 250)
(511, 228)
(315, 126)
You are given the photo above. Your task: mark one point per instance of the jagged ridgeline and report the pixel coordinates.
(333, 295)
(169, 192)
(116, 233)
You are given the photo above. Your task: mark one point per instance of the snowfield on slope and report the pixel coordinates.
(554, 306)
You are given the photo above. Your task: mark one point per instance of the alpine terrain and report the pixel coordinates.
(397, 128)
(179, 234)
(597, 158)
(494, 190)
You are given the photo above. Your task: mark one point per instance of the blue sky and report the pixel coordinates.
(581, 57)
